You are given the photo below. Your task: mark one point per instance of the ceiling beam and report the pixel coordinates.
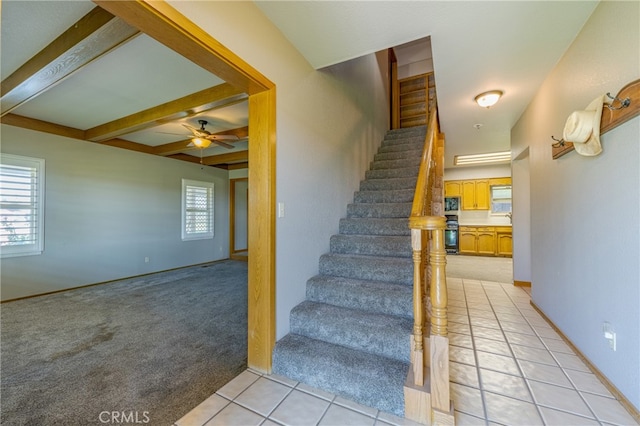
(162, 22)
(42, 126)
(97, 33)
(205, 100)
(231, 157)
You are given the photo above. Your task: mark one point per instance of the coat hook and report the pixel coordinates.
(623, 103)
(559, 142)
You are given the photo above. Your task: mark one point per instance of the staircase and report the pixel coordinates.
(352, 334)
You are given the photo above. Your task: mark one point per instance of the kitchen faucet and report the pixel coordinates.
(509, 215)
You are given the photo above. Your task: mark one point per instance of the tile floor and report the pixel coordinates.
(508, 367)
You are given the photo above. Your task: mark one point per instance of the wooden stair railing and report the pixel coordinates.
(427, 390)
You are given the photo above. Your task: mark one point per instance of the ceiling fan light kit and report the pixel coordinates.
(488, 99)
(201, 143)
(202, 138)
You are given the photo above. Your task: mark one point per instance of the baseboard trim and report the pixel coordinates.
(631, 409)
(522, 283)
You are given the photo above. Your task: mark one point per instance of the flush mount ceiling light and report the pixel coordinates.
(488, 99)
(492, 157)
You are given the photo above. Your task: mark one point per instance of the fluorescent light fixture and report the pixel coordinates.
(488, 99)
(492, 157)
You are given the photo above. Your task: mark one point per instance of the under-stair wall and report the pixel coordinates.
(351, 336)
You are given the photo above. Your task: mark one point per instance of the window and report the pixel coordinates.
(21, 205)
(197, 210)
(500, 198)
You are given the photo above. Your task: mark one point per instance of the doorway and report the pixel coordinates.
(238, 218)
(166, 25)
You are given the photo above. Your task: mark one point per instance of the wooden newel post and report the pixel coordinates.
(439, 342)
(438, 260)
(417, 349)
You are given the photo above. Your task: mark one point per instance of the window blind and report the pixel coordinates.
(197, 210)
(21, 205)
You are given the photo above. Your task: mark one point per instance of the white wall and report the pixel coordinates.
(521, 208)
(106, 210)
(585, 212)
(329, 125)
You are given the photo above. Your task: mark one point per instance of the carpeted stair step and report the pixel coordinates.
(393, 269)
(371, 380)
(415, 145)
(399, 154)
(375, 296)
(395, 164)
(375, 226)
(406, 132)
(384, 196)
(387, 210)
(392, 183)
(372, 245)
(392, 173)
(384, 335)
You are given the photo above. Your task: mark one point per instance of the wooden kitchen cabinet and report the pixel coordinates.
(453, 188)
(485, 240)
(475, 194)
(468, 239)
(504, 241)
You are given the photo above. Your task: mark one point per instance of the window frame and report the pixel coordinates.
(37, 206)
(192, 235)
(494, 200)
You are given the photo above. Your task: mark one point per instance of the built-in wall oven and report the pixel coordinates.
(451, 241)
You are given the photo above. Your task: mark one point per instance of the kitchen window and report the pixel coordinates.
(500, 199)
(197, 210)
(21, 206)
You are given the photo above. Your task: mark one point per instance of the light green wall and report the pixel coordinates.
(585, 211)
(106, 210)
(329, 124)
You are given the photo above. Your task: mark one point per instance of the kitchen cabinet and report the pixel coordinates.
(475, 194)
(500, 181)
(504, 241)
(468, 240)
(453, 188)
(485, 240)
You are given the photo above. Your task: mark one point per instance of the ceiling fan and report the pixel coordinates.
(202, 138)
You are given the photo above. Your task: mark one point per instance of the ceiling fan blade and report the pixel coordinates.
(222, 137)
(225, 145)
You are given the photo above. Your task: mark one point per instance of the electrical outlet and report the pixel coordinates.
(609, 334)
(280, 209)
(146, 260)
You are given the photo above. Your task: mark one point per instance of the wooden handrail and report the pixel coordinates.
(419, 205)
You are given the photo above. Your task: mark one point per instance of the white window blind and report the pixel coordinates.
(501, 199)
(197, 210)
(21, 205)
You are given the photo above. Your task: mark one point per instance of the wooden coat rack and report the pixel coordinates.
(624, 107)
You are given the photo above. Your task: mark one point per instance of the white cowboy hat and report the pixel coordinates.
(583, 128)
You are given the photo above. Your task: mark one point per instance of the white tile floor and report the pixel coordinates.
(508, 367)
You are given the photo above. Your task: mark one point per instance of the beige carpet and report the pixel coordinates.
(499, 269)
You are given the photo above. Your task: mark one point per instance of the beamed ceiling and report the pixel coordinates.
(102, 81)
